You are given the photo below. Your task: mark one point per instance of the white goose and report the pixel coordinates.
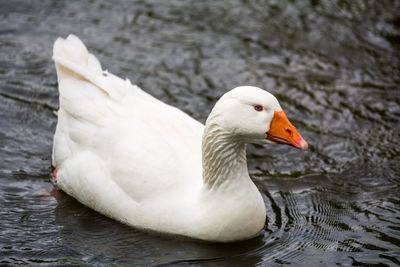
(133, 158)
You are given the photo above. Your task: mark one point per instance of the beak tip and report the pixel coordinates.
(303, 145)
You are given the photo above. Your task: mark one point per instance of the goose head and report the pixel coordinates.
(253, 115)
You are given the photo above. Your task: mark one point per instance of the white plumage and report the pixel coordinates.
(138, 160)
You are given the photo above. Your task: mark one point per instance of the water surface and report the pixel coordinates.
(334, 65)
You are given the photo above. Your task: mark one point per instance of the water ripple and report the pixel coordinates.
(332, 64)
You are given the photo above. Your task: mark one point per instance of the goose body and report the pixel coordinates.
(131, 157)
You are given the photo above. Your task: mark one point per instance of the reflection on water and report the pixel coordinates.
(332, 64)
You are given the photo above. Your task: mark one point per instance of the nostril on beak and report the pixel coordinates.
(289, 131)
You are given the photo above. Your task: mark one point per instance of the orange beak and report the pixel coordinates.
(283, 132)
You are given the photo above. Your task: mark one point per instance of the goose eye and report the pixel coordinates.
(258, 108)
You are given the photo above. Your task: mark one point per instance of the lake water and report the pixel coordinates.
(334, 66)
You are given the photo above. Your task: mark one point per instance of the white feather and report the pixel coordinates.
(134, 158)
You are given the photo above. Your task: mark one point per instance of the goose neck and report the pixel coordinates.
(223, 157)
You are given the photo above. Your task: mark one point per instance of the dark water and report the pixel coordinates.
(334, 65)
